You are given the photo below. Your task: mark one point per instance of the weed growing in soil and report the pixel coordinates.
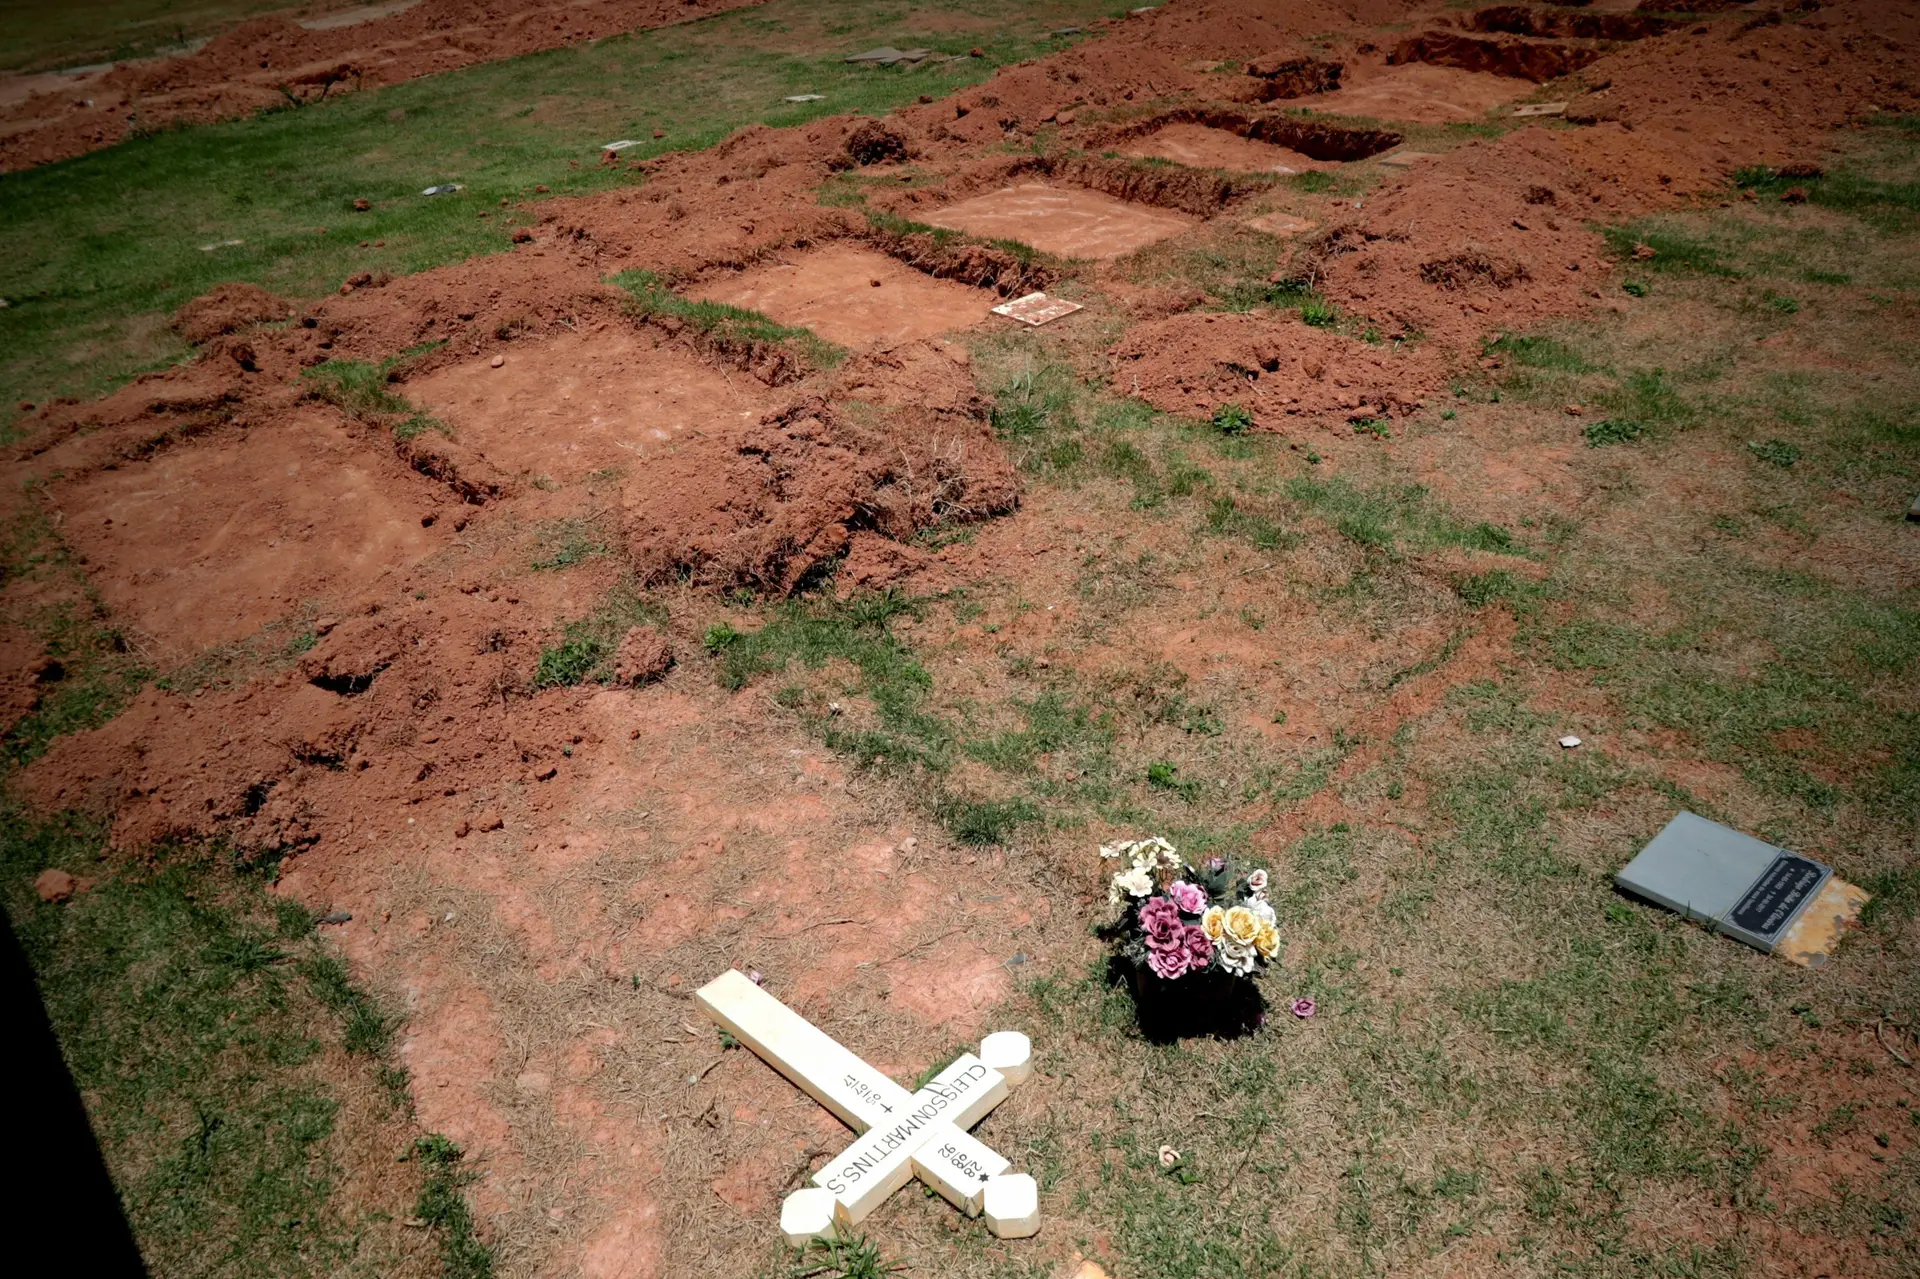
(855, 1258)
(587, 645)
(361, 390)
(857, 632)
(1232, 419)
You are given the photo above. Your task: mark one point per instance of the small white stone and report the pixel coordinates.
(805, 1215)
(1569, 742)
(1012, 1206)
(1010, 1053)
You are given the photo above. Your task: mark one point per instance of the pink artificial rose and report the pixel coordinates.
(1199, 947)
(1160, 920)
(1190, 898)
(1169, 963)
(1303, 1007)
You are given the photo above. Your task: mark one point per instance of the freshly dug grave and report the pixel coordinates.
(205, 544)
(893, 442)
(1273, 367)
(609, 399)
(1068, 222)
(1206, 148)
(851, 295)
(266, 61)
(1418, 93)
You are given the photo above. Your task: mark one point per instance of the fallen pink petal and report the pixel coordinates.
(1303, 1007)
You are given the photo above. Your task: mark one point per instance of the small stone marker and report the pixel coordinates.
(445, 188)
(903, 1135)
(1767, 897)
(1036, 309)
(621, 145)
(1404, 160)
(805, 97)
(1569, 742)
(1541, 108)
(887, 55)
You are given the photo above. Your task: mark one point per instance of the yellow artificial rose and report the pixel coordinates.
(1267, 940)
(1214, 922)
(1242, 925)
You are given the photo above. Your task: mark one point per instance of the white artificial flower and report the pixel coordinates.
(1110, 850)
(1257, 881)
(1236, 957)
(1263, 908)
(1138, 881)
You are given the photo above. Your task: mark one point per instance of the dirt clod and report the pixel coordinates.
(55, 885)
(643, 657)
(227, 308)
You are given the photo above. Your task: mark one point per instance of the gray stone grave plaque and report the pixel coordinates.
(1735, 884)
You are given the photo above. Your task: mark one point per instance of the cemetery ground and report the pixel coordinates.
(565, 744)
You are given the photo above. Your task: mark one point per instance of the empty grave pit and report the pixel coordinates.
(1202, 146)
(1068, 222)
(1419, 93)
(851, 295)
(206, 543)
(590, 402)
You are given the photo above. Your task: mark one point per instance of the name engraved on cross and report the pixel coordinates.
(903, 1136)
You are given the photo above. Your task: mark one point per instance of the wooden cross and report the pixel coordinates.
(903, 1135)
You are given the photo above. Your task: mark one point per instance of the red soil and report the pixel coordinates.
(857, 297)
(425, 782)
(1061, 220)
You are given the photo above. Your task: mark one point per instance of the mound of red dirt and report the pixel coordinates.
(268, 61)
(898, 441)
(228, 308)
(1272, 366)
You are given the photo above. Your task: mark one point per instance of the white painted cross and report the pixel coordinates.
(903, 1135)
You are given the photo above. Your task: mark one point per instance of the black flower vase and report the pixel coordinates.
(1213, 1004)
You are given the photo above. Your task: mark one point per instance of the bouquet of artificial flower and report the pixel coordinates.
(1182, 921)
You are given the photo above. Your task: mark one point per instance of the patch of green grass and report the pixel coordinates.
(1612, 430)
(97, 250)
(203, 1021)
(1889, 206)
(984, 821)
(1380, 517)
(855, 1258)
(1053, 723)
(728, 324)
(361, 391)
(568, 543)
(1674, 251)
(1536, 352)
(1227, 518)
(443, 1206)
(857, 632)
(587, 645)
(1778, 453)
